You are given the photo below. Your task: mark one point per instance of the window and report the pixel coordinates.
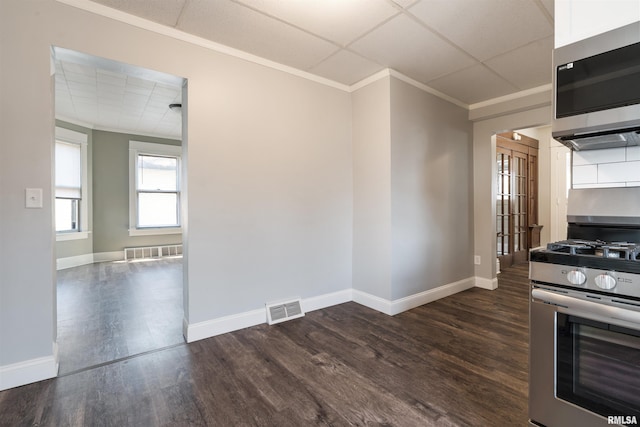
(71, 219)
(154, 188)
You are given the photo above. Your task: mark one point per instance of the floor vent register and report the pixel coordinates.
(281, 311)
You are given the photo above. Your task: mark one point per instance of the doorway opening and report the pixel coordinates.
(517, 228)
(119, 187)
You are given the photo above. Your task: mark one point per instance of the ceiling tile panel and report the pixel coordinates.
(243, 28)
(473, 85)
(526, 67)
(346, 67)
(337, 20)
(485, 28)
(408, 47)
(162, 11)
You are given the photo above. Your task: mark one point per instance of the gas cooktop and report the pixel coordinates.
(597, 254)
(620, 250)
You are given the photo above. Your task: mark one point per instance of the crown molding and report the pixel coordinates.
(511, 96)
(145, 24)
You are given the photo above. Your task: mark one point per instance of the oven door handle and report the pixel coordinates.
(586, 306)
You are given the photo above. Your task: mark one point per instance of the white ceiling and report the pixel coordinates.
(109, 95)
(470, 50)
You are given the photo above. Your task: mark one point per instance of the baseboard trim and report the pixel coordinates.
(210, 328)
(490, 284)
(222, 325)
(29, 371)
(327, 300)
(376, 303)
(412, 301)
(108, 256)
(78, 260)
(416, 300)
(74, 261)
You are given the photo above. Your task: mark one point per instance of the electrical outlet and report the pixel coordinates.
(476, 259)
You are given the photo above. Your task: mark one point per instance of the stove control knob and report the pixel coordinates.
(576, 277)
(606, 281)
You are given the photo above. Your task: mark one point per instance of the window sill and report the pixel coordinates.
(62, 237)
(154, 231)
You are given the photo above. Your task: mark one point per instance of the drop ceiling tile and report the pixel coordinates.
(110, 77)
(408, 47)
(71, 67)
(242, 28)
(346, 67)
(485, 28)
(140, 83)
(526, 67)
(77, 90)
(79, 78)
(473, 84)
(138, 90)
(336, 20)
(162, 11)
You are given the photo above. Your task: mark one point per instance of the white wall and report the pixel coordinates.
(269, 175)
(613, 167)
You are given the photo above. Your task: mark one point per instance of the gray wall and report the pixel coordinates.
(111, 193)
(372, 189)
(108, 204)
(269, 173)
(431, 198)
(412, 173)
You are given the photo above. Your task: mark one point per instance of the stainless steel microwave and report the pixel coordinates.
(596, 90)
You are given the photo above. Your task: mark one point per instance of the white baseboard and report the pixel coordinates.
(376, 303)
(108, 256)
(412, 301)
(326, 300)
(74, 261)
(490, 284)
(222, 325)
(210, 328)
(29, 371)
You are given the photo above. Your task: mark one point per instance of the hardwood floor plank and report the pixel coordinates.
(111, 310)
(459, 361)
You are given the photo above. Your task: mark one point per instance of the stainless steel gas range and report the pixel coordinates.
(585, 315)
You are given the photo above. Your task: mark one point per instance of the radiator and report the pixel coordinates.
(152, 251)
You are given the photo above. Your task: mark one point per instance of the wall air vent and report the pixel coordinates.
(281, 311)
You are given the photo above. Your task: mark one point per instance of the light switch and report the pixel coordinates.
(33, 197)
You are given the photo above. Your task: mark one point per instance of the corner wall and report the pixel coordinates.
(371, 139)
(431, 199)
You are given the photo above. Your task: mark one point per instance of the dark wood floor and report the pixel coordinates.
(112, 310)
(459, 361)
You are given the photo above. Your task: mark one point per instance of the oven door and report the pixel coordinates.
(584, 362)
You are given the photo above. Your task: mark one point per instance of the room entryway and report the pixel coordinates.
(517, 228)
(120, 179)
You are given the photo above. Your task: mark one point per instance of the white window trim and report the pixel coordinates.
(68, 135)
(139, 147)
